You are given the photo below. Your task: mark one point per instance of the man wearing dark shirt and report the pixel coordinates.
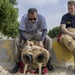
(33, 26)
(67, 37)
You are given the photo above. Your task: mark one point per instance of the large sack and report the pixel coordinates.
(36, 55)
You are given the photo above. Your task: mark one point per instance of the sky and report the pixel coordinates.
(52, 10)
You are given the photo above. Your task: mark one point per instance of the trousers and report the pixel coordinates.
(47, 44)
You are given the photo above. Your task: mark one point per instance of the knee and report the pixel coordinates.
(67, 37)
(48, 39)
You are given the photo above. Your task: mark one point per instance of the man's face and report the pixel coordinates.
(71, 9)
(32, 17)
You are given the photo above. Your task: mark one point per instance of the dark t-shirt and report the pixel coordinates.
(69, 20)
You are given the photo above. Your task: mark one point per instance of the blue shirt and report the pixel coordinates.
(69, 20)
(30, 28)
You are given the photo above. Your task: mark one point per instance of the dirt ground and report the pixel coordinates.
(57, 71)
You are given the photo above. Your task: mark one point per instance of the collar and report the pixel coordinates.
(71, 15)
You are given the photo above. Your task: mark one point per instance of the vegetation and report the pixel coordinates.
(54, 32)
(9, 23)
(8, 18)
(13, 2)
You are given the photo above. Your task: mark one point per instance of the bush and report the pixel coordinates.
(54, 32)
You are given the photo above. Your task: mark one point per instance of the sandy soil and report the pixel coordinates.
(57, 71)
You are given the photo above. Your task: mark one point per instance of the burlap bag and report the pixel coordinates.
(67, 40)
(35, 51)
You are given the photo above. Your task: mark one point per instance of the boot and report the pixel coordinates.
(15, 69)
(49, 66)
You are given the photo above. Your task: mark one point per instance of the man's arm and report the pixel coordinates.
(65, 30)
(44, 33)
(63, 27)
(22, 35)
(23, 24)
(43, 26)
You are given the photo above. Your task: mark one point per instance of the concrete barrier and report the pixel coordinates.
(7, 53)
(61, 56)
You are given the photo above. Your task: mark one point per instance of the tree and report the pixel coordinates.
(54, 32)
(13, 2)
(8, 19)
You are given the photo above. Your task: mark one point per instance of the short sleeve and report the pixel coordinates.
(63, 20)
(43, 23)
(22, 24)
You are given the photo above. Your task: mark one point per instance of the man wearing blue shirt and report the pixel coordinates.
(33, 26)
(67, 37)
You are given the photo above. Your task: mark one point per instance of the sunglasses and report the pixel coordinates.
(32, 18)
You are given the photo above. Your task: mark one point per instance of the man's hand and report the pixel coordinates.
(28, 42)
(40, 44)
(72, 35)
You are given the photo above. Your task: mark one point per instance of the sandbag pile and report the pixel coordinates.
(32, 55)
